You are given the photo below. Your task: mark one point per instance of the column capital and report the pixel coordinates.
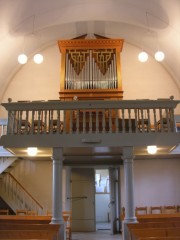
(57, 153)
(128, 153)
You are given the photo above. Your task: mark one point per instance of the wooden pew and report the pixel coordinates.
(26, 219)
(29, 231)
(160, 238)
(147, 225)
(162, 217)
(154, 225)
(138, 234)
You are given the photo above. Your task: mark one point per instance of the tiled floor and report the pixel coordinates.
(102, 233)
(98, 235)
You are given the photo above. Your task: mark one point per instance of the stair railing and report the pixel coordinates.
(17, 196)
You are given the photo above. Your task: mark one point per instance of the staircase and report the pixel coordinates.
(12, 193)
(7, 163)
(16, 196)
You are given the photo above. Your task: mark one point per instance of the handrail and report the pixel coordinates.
(26, 191)
(12, 188)
(126, 116)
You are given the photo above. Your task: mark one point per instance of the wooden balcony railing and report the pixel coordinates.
(77, 117)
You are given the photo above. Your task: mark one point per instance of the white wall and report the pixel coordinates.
(156, 182)
(145, 80)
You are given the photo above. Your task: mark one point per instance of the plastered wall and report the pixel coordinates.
(156, 182)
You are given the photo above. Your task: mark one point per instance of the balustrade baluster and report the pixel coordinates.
(103, 121)
(97, 122)
(129, 120)
(39, 122)
(77, 121)
(45, 121)
(142, 120)
(90, 121)
(58, 122)
(84, 121)
(110, 120)
(123, 120)
(172, 121)
(51, 122)
(155, 120)
(32, 127)
(167, 120)
(71, 121)
(161, 127)
(149, 120)
(27, 122)
(116, 121)
(20, 122)
(13, 121)
(136, 120)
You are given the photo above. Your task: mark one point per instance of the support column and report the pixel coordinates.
(118, 190)
(57, 218)
(129, 190)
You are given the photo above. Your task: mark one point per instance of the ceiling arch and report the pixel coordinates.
(34, 25)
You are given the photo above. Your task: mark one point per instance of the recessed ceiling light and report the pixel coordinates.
(32, 151)
(152, 149)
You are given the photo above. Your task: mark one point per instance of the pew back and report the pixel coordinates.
(163, 217)
(138, 234)
(29, 231)
(18, 219)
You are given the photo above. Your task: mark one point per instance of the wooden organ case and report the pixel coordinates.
(90, 69)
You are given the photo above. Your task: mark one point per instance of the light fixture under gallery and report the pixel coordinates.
(32, 151)
(152, 149)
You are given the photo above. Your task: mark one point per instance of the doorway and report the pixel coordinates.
(102, 199)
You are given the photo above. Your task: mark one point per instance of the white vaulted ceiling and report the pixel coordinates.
(34, 25)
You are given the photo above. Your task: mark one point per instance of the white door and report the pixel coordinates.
(83, 199)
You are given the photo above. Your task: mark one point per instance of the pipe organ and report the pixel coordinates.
(90, 69)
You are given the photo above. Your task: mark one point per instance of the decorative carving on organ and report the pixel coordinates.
(90, 69)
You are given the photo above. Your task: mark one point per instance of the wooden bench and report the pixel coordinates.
(151, 225)
(162, 217)
(138, 234)
(160, 238)
(29, 231)
(26, 219)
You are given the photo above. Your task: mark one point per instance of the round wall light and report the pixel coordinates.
(159, 56)
(38, 58)
(22, 58)
(143, 56)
